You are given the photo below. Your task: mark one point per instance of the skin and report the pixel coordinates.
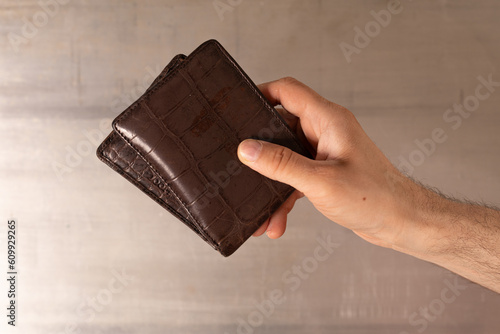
(352, 183)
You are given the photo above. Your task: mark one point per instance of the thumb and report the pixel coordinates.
(277, 162)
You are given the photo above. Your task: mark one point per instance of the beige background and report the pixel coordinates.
(79, 226)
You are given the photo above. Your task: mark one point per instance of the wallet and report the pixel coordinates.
(178, 144)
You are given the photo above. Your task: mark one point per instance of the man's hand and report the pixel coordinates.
(352, 183)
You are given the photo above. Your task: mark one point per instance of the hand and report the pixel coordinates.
(350, 181)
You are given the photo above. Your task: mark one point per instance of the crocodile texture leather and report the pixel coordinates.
(178, 144)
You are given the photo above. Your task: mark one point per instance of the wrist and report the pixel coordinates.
(424, 217)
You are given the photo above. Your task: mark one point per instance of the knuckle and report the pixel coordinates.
(282, 161)
(337, 108)
(324, 171)
(289, 80)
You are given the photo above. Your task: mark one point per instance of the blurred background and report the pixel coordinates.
(95, 255)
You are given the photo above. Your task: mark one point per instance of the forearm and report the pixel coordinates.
(462, 237)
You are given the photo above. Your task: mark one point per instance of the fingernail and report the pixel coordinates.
(268, 231)
(250, 149)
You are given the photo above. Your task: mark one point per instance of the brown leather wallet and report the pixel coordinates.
(178, 143)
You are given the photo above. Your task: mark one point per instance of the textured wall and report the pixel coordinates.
(95, 255)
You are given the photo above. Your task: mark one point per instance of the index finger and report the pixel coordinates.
(296, 97)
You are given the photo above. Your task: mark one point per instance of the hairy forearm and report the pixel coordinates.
(462, 237)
